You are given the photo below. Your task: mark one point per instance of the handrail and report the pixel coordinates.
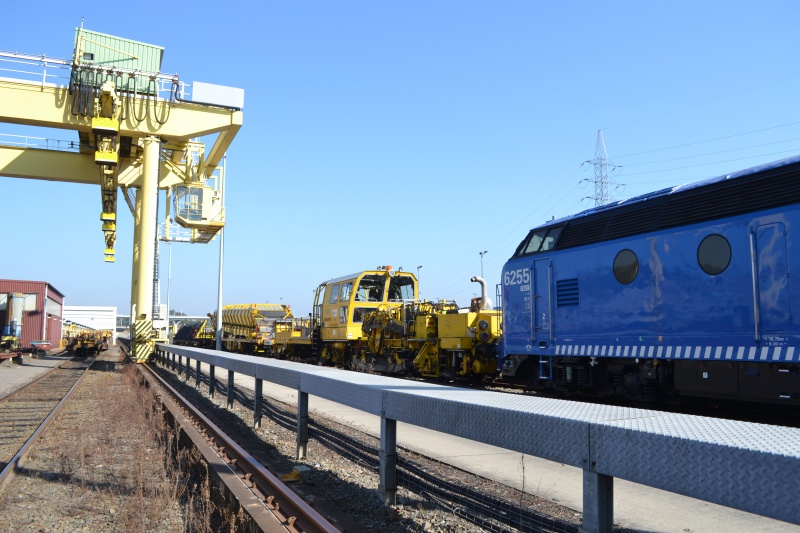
(746, 466)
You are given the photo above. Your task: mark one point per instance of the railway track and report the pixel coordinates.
(488, 511)
(269, 502)
(27, 412)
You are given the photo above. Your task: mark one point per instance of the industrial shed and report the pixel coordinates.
(42, 310)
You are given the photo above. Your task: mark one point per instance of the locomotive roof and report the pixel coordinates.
(789, 161)
(761, 187)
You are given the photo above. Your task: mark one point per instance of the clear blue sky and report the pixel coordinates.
(415, 133)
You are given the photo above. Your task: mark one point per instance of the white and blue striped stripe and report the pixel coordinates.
(712, 352)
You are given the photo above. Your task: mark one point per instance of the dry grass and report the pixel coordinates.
(111, 463)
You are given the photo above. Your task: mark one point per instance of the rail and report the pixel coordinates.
(245, 477)
(10, 469)
(750, 467)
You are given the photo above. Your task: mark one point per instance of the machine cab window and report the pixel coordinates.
(333, 294)
(401, 288)
(347, 289)
(370, 288)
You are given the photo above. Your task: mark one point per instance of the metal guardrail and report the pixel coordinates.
(746, 466)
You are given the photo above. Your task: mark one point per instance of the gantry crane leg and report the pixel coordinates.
(137, 216)
(142, 275)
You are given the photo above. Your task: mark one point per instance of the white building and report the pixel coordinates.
(93, 317)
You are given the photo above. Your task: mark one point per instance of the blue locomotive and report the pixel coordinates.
(683, 292)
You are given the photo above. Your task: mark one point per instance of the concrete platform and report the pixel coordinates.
(14, 376)
(635, 506)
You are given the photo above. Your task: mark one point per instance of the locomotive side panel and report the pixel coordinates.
(670, 301)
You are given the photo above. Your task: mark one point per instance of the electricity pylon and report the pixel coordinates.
(602, 182)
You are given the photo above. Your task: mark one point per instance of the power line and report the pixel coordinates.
(711, 153)
(711, 163)
(702, 103)
(711, 140)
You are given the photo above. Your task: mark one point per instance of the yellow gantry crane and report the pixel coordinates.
(136, 131)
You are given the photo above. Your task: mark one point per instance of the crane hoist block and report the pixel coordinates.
(106, 158)
(105, 127)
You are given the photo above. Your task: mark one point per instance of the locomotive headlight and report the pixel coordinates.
(483, 324)
(484, 336)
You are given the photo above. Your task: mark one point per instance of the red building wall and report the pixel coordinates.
(43, 322)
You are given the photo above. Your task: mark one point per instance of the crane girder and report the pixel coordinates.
(48, 105)
(72, 167)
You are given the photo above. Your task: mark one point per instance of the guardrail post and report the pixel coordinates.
(172, 362)
(212, 381)
(302, 424)
(388, 457)
(598, 502)
(180, 364)
(197, 374)
(230, 389)
(258, 407)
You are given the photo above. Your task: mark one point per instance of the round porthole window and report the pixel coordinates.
(714, 254)
(626, 266)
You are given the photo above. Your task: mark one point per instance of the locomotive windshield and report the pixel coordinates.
(539, 240)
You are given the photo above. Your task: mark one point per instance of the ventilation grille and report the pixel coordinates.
(756, 192)
(633, 220)
(567, 294)
(581, 232)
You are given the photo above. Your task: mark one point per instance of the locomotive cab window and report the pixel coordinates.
(626, 266)
(539, 240)
(714, 254)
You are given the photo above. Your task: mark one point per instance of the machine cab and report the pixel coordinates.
(347, 300)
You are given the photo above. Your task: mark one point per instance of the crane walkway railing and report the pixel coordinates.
(746, 466)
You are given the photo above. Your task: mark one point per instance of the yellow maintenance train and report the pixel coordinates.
(372, 320)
